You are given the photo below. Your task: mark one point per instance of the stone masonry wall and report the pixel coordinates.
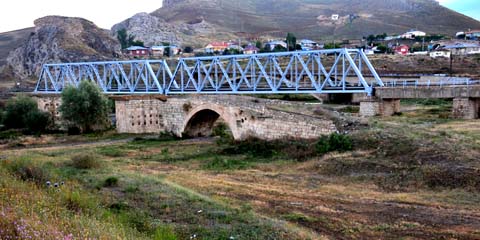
(374, 107)
(466, 108)
(245, 116)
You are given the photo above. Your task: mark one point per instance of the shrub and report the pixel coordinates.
(27, 170)
(22, 112)
(334, 142)
(187, 107)
(86, 161)
(111, 182)
(37, 121)
(85, 107)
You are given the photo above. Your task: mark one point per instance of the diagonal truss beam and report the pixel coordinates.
(322, 71)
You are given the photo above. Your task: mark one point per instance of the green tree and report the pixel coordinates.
(259, 45)
(22, 113)
(382, 48)
(167, 52)
(137, 43)
(291, 42)
(84, 107)
(188, 49)
(332, 46)
(279, 48)
(127, 40)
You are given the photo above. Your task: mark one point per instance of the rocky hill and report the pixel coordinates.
(153, 30)
(59, 39)
(185, 20)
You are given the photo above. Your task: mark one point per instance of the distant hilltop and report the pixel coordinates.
(320, 19)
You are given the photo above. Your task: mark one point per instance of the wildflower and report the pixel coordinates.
(48, 183)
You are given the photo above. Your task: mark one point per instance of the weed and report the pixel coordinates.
(86, 161)
(111, 151)
(131, 189)
(187, 107)
(351, 109)
(299, 217)
(334, 142)
(110, 182)
(164, 233)
(218, 163)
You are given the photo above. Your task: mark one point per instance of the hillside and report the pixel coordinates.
(313, 19)
(12, 40)
(57, 39)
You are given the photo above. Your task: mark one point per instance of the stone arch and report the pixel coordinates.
(201, 119)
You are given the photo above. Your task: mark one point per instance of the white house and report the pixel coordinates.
(412, 34)
(440, 53)
(160, 50)
(272, 44)
(308, 45)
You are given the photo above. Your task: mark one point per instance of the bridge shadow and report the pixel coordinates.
(203, 123)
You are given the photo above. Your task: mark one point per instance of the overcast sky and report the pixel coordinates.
(17, 14)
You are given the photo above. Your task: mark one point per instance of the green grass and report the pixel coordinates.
(130, 195)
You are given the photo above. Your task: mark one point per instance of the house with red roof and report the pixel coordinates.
(216, 47)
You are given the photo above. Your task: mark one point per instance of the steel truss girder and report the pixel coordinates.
(268, 73)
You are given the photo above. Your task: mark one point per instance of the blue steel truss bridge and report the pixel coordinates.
(322, 71)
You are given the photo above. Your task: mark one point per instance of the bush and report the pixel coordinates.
(37, 121)
(27, 170)
(111, 182)
(86, 161)
(85, 107)
(334, 142)
(22, 112)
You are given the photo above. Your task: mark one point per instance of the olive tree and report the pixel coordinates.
(84, 107)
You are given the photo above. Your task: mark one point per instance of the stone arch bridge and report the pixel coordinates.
(195, 116)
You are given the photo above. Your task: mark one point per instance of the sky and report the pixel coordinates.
(18, 14)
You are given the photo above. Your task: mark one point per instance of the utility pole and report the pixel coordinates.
(423, 44)
(451, 63)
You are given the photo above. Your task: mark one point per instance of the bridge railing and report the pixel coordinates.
(321, 71)
(453, 81)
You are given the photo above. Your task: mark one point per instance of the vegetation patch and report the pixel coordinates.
(111, 182)
(86, 161)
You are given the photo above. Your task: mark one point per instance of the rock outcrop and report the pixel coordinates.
(61, 39)
(153, 30)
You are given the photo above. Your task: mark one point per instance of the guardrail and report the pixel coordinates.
(429, 83)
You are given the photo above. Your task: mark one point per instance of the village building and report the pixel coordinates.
(250, 49)
(413, 34)
(308, 45)
(462, 48)
(273, 44)
(216, 47)
(440, 53)
(457, 47)
(473, 35)
(401, 49)
(137, 51)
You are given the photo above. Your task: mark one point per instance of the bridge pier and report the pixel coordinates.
(379, 107)
(466, 108)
